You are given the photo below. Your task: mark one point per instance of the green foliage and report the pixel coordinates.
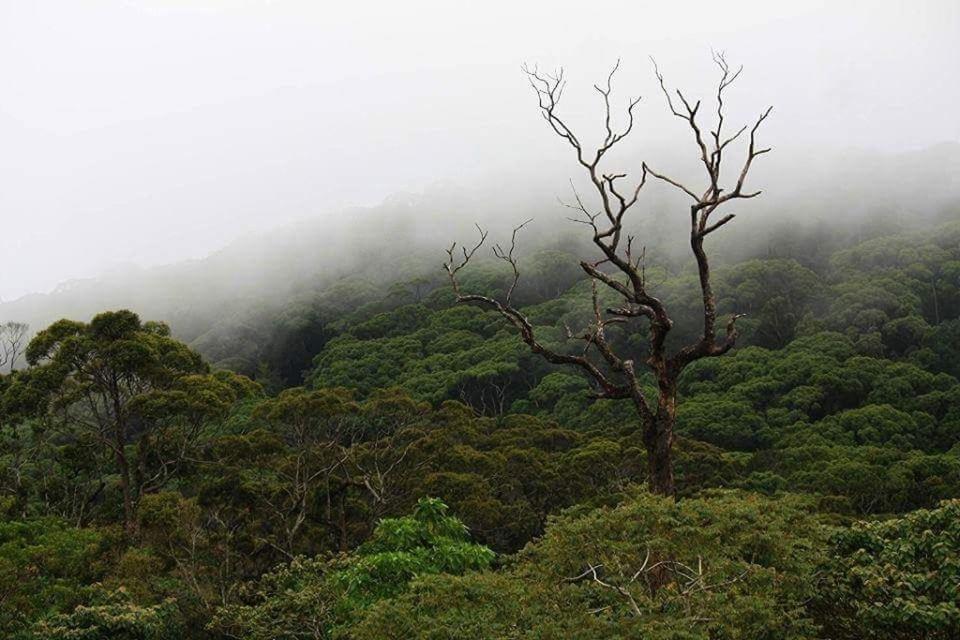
(321, 598)
(96, 390)
(112, 616)
(428, 541)
(723, 565)
(774, 294)
(278, 511)
(894, 579)
(46, 566)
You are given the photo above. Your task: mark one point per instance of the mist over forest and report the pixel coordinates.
(479, 321)
(810, 207)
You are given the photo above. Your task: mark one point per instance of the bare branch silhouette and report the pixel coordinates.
(619, 271)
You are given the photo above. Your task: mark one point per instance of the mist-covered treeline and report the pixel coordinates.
(384, 461)
(227, 304)
(644, 345)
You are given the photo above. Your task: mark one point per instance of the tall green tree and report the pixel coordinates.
(114, 377)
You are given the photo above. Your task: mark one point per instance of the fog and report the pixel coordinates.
(136, 133)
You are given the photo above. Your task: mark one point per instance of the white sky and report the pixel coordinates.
(151, 131)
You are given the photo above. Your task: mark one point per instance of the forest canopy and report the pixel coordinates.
(442, 321)
(425, 472)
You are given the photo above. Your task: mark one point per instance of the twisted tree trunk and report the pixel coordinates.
(658, 440)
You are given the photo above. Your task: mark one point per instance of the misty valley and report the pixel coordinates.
(703, 389)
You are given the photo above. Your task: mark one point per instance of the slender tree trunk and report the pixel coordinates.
(123, 465)
(344, 546)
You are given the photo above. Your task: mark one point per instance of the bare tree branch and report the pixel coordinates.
(618, 269)
(12, 342)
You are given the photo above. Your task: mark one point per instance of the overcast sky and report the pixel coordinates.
(136, 131)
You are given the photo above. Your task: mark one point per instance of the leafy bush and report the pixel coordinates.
(320, 598)
(723, 565)
(895, 579)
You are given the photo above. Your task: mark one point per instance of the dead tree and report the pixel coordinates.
(621, 270)
(12, 341)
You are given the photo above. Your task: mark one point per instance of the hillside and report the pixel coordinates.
(294, 504)
(226, 302)
(479, 321)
